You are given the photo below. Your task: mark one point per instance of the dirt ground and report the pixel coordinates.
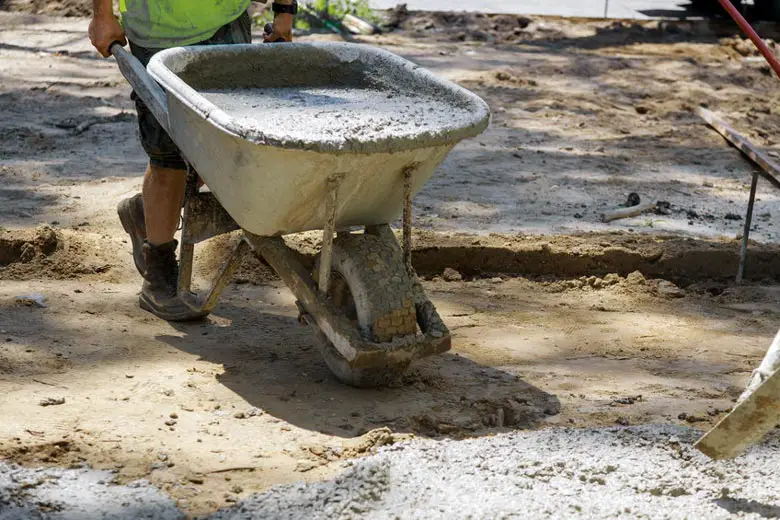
(558, 319)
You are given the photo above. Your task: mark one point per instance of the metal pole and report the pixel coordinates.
(606, 7)
(753, 35)
(746, 232)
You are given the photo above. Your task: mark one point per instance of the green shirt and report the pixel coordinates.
(158, 24)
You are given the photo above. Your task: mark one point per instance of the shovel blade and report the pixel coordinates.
(747, 423)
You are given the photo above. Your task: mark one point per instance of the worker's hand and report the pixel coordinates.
(105, 30)
(283, 24)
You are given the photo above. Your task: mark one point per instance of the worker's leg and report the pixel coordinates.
(151, 220)
(163, 196)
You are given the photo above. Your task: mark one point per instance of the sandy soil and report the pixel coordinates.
(549, 329)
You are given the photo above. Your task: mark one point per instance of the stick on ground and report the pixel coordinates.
(632, 211)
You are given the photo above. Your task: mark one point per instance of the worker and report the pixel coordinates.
(152, 217)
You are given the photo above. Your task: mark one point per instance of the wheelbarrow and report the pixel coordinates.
(314, 136)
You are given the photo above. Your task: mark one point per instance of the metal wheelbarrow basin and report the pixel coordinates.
(308, 136)
(265, 126)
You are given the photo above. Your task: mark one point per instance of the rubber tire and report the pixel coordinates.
(379, 299)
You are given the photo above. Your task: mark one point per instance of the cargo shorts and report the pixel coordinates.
(158, 145)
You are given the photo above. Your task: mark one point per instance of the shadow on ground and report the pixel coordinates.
(280, 371)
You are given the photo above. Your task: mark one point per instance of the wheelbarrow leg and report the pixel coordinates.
(204, 218)
(187, 248)
(327, 234)
(746, 231)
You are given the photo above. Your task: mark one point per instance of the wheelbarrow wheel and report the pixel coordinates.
(370, 286)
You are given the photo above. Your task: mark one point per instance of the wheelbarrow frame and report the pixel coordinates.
(205, 218)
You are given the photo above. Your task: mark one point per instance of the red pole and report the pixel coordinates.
(753, 35)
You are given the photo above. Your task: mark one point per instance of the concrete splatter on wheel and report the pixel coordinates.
(369, 284)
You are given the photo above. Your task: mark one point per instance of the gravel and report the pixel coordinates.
(83, 494)
(635, 472)
(640, 472)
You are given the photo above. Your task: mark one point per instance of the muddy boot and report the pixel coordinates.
(159, 295)
(131, 214)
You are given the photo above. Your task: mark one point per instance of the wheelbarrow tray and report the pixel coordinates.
(267, 126)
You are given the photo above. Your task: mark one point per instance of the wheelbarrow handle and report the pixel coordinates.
(143, 84)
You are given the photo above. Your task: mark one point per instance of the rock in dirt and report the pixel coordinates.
(669, 290)
(32, 300)
(396, 16)
(451, 275)
(305, 465)
(52, 401)
(636, 278)
(626, 400)
(370, 441)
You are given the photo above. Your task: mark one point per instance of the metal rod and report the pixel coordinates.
(606, 7)
(187, 248)
(746, 232)
(407, 238)
(226, 273)
(326, 255)
(752, 34)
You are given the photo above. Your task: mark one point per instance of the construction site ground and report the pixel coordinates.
(558, 319)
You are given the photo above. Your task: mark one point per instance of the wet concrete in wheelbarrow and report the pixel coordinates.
(341, 115)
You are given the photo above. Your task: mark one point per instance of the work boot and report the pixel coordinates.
(159, 293)
(131, 214)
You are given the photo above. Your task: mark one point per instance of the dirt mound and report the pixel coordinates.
(56, 7)
(582, 33)
(26, 245)
(44, 252)
(587, 257)
(683, 260)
